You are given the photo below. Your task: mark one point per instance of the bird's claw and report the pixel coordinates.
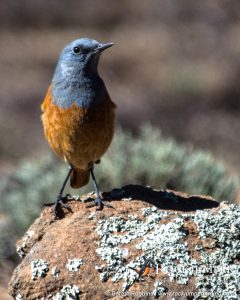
(60, 202)
(100, 204)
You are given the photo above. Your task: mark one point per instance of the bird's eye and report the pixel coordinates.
(76, 50)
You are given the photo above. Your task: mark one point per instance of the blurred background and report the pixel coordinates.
(175, 65)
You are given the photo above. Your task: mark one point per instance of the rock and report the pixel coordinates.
(182, 240)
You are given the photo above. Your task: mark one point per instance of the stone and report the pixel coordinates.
(99, 254)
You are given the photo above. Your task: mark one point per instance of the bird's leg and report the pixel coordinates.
(60, 198)
(98, 201)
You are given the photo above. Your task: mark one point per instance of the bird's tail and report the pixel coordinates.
(79, 178)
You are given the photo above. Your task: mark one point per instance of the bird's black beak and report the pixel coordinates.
(103, 46)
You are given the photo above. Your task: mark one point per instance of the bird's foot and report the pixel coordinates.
(100, 203)
(59, 204)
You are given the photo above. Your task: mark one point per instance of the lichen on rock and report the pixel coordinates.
(39, 268)
(73, 265)
(68, 292)
(191, 242)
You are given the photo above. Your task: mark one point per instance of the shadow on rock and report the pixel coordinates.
(163, 199)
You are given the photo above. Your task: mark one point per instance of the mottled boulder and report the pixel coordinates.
(151, 244)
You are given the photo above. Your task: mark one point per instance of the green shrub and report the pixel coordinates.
(147, 159)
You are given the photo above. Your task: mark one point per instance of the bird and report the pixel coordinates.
(78, 115)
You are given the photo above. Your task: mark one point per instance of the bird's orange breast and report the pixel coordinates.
(79, 136)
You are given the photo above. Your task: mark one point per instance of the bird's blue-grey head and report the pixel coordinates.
(76, 78)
